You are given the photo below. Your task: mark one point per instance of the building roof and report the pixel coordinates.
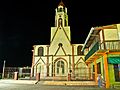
(61, 3)
(93, 33)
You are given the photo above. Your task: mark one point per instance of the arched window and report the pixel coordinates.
(40, 51)
(55, 22)
(60, 22)
(79, 48)
(60, 67)
(60, 9)
(65, 22)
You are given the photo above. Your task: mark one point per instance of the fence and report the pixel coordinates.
(9, 72)
(83, 73)
(22, 72)
(79, 74)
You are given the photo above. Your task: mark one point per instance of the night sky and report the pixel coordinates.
(27, 23)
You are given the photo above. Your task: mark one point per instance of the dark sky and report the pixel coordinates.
(26, 23)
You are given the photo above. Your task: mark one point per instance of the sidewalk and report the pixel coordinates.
(18, 81)
(69, 83)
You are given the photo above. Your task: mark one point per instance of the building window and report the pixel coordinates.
(65, 22)
(79, 52)
(55, 22)
(60, 67)
(93, 68)
(60, 9)
(40, 51)
(116, 72)
(99, 68)
(60, 22)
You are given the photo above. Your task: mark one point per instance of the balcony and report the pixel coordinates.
(111, 45)
(92, 51)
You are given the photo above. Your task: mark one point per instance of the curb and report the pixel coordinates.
(18, 81)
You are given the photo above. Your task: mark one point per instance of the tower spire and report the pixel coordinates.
(61, 3)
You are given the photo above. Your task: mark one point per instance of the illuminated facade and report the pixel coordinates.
(102, 53)
(60, 57)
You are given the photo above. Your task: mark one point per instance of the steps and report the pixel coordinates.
(80, 83)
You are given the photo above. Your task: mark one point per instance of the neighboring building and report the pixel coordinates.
(60, 57)
(102, 53)
(22, 72)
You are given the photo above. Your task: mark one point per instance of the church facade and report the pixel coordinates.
(59, 58)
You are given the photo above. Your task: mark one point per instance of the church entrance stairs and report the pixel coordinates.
(72, 83)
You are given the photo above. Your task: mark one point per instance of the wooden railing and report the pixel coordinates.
(92, 51)
(107, 45)
(111, 45)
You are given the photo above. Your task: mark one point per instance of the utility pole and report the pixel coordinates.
(3, 69)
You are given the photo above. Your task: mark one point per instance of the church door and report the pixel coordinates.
(60, 68)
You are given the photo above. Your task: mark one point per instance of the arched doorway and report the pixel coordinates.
(61, 67)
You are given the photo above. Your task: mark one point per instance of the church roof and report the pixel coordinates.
(61, 3)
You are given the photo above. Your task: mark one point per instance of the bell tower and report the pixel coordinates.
(60, 33)
(61, 17)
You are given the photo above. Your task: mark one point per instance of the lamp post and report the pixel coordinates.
(3, 69)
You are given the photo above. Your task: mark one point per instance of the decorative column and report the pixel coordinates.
(103, 36)
(47, 66)
(69, 70)
(15, 75)
(38, 76)
(69, 63)
(89, 69)
(32, 68)
(52, 66)
(106, 71)
(73, 65)
(95, 70)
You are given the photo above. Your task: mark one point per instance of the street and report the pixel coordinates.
(30, 86)
(41, 87)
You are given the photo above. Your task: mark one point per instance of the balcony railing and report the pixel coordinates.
(92, 51)
(113, 45)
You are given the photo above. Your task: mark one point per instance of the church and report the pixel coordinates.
(60, 58)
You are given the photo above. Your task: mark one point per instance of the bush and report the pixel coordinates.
(0, 75)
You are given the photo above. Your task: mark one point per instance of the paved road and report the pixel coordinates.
(41, 87)
(25, 86)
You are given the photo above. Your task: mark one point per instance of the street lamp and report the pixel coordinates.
(3, 69)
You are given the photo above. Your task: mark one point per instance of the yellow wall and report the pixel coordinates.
(102, 66)
(60, 37)
(36, 49)
(111, 34)
(118, 27)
